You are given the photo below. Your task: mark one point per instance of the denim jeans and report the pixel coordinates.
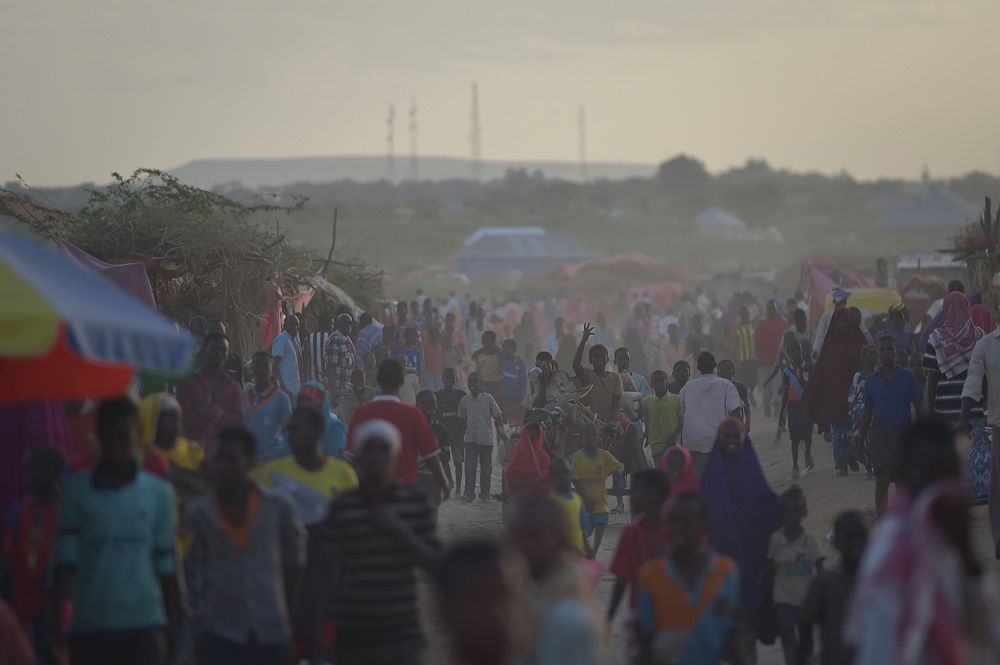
(484, 456)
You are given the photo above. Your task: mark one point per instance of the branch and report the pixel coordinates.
(333, 242)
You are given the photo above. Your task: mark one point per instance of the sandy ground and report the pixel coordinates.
(827, 496)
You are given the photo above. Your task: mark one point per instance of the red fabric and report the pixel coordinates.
(839, 360)
(767, 335)
(529, 461)
(821, 275)
(982, 318)
(156, 463)
(954, 338)
(205, 412)
(419, 441)
(28, 546)
(638, 544)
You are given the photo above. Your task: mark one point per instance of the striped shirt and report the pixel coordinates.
(948, 401)
(377, 603)
(315, 356)
(745, 347)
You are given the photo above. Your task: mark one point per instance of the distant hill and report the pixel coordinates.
(254, 173)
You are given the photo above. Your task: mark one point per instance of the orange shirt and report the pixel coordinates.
(241, 534)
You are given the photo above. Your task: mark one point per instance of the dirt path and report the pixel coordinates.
(827, 496)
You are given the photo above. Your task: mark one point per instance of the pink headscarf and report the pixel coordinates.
(982, 318)
(689, 476)
(954, 338)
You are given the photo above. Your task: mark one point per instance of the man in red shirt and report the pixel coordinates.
(767, 337)
(209, 399)
(419, 443)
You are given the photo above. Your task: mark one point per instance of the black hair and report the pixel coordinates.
(543, 356)
(956, 285)
(464, 564)
(490, 333)
(111, 410)
(793, 493)
(887, 338)
(654, 480)
(364, 319)
(596, 349)
(48, 462)
(425, 392)
(262, 352)
(390, 375)
(847, 521)
(695, 499)
(561, 463)
(215, 336)
(726, 361)
(621, 349)
(681, 363)
(930, 453)
(314, 419)
(242, 435)
(357, 370)
(509, 342)
(658, 371)
(706, 362)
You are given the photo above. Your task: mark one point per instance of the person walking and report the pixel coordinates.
(288, 356)
(209, 398)
(314, 353)
(483, 420)
(767, 337)
(706, 401)
(340, 358)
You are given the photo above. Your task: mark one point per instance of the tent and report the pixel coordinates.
(937, 208)
(130, 276)
(713, 222)
(517, 249)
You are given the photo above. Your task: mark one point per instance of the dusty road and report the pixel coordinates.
(827, 496)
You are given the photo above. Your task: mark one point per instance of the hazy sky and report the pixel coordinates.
(878, 87)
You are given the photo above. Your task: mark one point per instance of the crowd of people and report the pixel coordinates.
(284, 509)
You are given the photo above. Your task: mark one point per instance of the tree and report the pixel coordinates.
(205, 253)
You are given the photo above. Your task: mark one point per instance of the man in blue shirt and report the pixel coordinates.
(114, 555)
(889, 393)
(513, 382)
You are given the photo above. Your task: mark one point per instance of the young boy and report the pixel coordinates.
(592, 466)
(116, 518)
(794, 379)
(577, 520)
(795, 557)
(448, 400)
(313, 480)
(662, 416)
(483, 427)
(359, 393)
(253, 547)
(411, 381)
(380, 532)
(727, 370)
(826, 601)
(687, 600)
(265, 408)
(487, 364)
(644, 539)
(427, 404)
(28, 544)
(514, 372)
(410, 349)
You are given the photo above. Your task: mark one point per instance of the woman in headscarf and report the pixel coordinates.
(745, 513)
(527, 470)
(826, 397)
(946, 358)
(313, 393)
(678, 464)
(159, 429)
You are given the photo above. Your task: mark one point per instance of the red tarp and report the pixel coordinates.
(820, 275)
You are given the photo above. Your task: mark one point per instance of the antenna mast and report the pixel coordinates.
(475, 138)
(390, 140)
(414, 166)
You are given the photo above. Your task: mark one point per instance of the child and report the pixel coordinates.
(410, 349)
(795, 377)
(644, 539)
(448, 400)
(856, 399)
(247, 537)
(688, 599)
(727, 370)
(591, 468)
(784, 355)
(826, 601)
(359, 393)
(487, 364)
(514, 372)
(794, 556)
(427, 403)
(28, 544)
(662, 416)
(577, 521)
(411, 381)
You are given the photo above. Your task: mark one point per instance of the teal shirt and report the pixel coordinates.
(265, 416)
(120, 542)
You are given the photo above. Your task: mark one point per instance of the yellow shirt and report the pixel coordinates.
(185, 454)
(591, 474)
(311, 491)
(572, 507)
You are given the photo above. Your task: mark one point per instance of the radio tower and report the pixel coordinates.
(581, 121)
(414, 167)
(475, 138)
(390, 141)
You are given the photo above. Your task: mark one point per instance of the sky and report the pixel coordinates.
(873, 87)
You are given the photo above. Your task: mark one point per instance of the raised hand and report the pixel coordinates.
(588, 330)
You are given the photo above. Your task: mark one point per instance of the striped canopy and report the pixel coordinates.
(68, 333)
